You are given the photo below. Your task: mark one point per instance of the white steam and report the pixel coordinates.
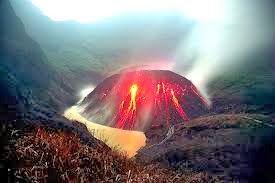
(213, 47)
(223, 34)
(85, 92)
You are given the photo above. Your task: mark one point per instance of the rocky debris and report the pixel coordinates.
(233, 147)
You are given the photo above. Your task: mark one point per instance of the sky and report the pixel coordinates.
(87, 11)
(224, 34)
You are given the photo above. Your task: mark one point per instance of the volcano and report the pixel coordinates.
(141, 99)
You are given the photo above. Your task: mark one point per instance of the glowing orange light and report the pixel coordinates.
(133, 91)
(172, 93)
(166, 97)
(178, 107)
(131, 111)
(158, 88)
(166, 104)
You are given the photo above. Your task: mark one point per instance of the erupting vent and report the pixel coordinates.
(137, 100)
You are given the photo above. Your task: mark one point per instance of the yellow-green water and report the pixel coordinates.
(125, 141)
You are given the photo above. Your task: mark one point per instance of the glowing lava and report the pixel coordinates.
(133, 92)
(178, 107)
(140, 99)
(130, 113)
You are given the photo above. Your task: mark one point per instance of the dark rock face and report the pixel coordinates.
(249, 88)
(140, 99)
(27, 80)
(31, 90)
(233, 147)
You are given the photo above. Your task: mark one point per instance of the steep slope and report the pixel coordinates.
(32, 92)
(27, 80)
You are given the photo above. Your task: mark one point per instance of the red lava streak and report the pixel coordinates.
(137, 100)
(178, 107)
(130, 113)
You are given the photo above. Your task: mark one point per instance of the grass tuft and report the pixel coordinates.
(58, 156)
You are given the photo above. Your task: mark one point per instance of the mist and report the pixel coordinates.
(212, 48)
(210, 37)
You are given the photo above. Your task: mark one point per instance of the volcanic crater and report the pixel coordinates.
(138, 100)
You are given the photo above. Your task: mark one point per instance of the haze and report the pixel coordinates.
(87, 11)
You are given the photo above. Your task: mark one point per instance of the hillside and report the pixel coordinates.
(233, 147)
(27, 79)
(249, 88)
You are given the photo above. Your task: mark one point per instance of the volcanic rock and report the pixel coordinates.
(234, 147)
(140, 99)
(28, 82)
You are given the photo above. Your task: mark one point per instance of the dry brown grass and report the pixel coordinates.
(44, 156)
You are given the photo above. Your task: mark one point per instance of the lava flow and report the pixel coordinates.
(130, 113)
(140, 99)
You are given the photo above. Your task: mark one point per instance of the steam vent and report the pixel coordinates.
(140, 99)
